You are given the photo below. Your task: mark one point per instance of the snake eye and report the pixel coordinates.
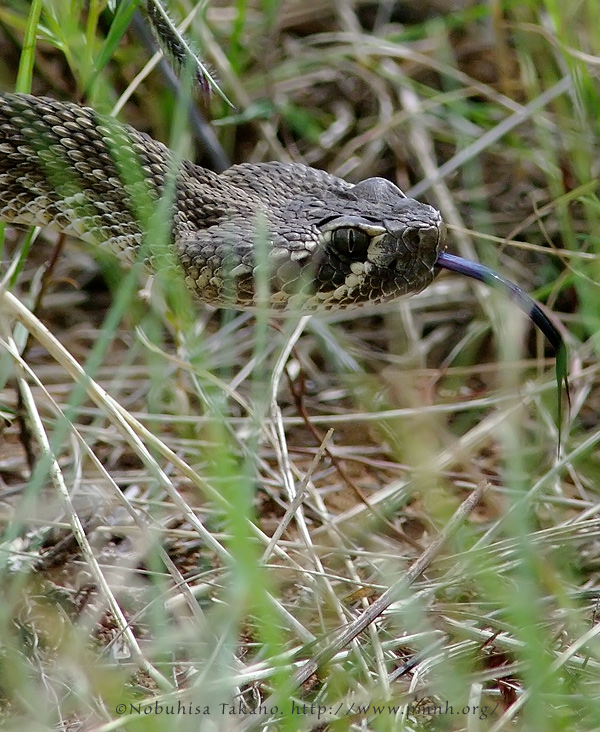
(350, 241)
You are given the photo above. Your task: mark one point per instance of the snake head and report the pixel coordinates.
(328, 244)
(377, 245)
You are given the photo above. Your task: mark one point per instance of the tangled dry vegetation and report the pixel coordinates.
(221, 497)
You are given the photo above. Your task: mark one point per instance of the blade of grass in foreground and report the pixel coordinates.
(530, 307)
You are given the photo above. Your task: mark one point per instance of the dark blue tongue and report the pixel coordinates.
(529, 306)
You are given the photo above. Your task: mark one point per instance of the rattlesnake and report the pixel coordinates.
(322, 243)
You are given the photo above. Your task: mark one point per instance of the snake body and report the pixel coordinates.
(315, 240)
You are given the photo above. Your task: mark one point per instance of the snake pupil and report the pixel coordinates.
(350, 241)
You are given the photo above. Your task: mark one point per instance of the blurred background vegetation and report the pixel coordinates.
(193, 530)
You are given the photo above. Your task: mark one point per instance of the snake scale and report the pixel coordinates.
(323, 243)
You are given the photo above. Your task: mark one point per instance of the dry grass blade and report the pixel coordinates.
(78, 529)
(204, 510)
(393, 593)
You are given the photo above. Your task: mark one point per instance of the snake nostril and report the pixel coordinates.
(423, 240)
(412, 239)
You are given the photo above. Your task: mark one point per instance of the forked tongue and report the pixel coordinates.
(529, 306)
